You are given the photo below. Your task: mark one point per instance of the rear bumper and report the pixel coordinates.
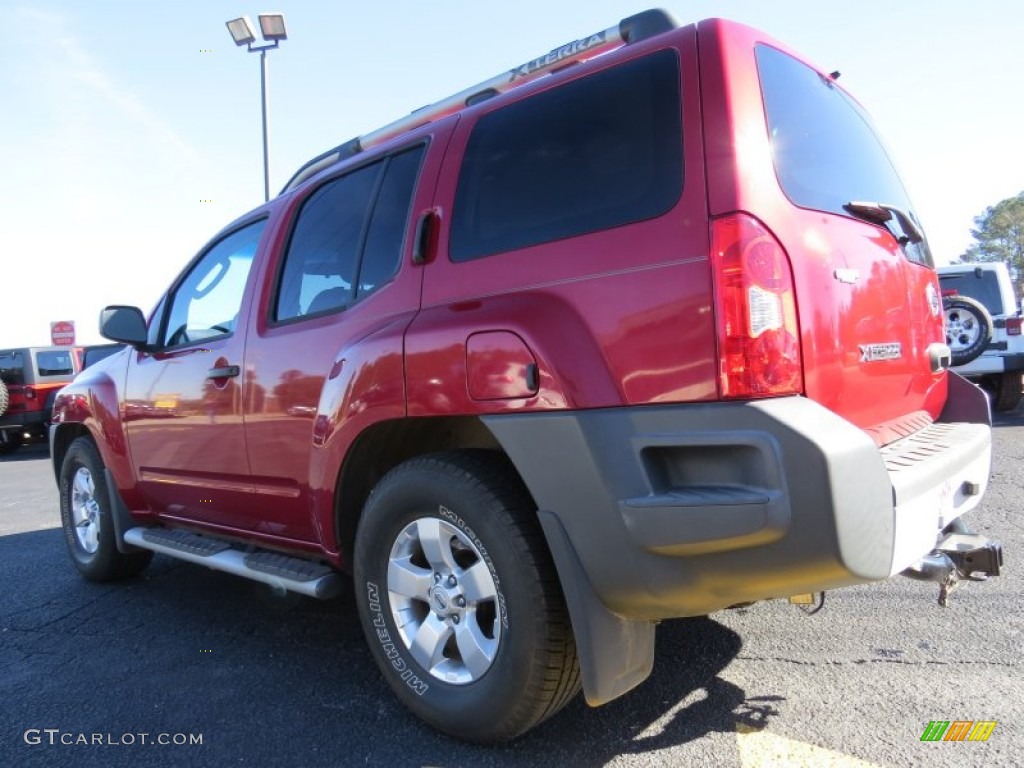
(987, 364)
(686, 509)
(34, 421)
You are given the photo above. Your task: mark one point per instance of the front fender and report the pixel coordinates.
(91, 403)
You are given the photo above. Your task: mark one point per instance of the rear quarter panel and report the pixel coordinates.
(619, 316)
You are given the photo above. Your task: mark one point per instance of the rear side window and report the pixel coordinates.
(824, 146)
(596, 153)
(348, 237)
(12, 367)
(54, 363)
(322, 255)
(385, 236)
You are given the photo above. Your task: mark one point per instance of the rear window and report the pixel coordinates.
(983, 287)
(596, 153)
(825, 149)
(12, 368)
(54, 363)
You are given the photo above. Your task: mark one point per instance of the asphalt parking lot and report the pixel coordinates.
(189, 666)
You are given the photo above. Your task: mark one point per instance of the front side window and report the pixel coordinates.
(824, 146)
(206, 303)
(595, 153)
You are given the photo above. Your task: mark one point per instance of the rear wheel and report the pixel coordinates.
(459, 597)
(1007, 392)
(968, 328)
(86, 516)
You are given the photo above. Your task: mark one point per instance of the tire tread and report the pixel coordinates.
(1008, 392)
(107, 564)
(493, 474)
(554, 678)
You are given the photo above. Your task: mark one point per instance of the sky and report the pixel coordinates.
(130, 131)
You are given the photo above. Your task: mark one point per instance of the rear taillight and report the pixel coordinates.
(1013, 326)
(29, 393)
(755, 309)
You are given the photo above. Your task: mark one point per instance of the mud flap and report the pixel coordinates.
(615, 654)
(120, 515)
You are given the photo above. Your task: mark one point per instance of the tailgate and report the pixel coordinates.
(868, 317)
(793, 149)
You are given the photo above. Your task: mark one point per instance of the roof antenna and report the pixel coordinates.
(835, 75)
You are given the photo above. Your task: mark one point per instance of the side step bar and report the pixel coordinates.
(279, 571)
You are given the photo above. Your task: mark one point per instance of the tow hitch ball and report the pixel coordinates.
(959, 556)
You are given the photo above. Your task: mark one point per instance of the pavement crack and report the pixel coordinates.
(65, 615)
(847, 662)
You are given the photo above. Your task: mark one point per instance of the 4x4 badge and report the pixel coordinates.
(870, 353)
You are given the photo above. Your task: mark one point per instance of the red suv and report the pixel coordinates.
(604, 340)
(29, 380)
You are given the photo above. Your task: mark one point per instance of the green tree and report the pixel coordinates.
(999, 236)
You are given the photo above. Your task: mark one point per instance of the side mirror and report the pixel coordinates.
(124, 324)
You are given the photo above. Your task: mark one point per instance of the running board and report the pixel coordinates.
(280, 571)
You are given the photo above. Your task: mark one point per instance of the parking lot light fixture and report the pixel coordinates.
(273, 31)
(272, 27)
(242, 31)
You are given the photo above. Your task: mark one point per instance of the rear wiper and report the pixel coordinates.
(880, 213)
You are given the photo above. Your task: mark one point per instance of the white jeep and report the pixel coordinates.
(983, 328)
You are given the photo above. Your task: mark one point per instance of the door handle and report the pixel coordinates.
(224, 372)
(421, 239)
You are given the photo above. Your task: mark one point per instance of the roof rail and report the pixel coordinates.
(630, 30)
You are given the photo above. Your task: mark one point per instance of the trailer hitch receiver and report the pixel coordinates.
(958, 557)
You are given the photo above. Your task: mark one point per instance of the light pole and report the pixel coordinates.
(273, 32)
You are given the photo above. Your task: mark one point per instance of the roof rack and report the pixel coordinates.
(630, 30)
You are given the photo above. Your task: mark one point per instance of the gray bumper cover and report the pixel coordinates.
(664, 511)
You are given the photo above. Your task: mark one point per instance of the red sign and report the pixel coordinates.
(62, 333)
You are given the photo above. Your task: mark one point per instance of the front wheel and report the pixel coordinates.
(85, 514)
(459, 598)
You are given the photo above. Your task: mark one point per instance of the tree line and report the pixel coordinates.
(999, 236)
